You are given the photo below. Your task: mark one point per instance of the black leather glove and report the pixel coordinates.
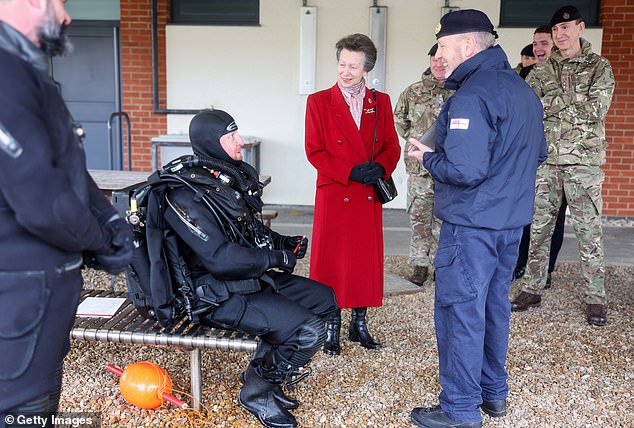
(120, 232)
(284, 260)
(118, 256)
(297, 244)
(373, 172)
(358, 172)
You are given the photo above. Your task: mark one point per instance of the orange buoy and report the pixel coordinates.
(145, 385)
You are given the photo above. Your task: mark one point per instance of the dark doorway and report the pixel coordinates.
(90, 84)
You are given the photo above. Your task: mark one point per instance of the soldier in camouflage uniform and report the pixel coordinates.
(416, 110)
(575, 86)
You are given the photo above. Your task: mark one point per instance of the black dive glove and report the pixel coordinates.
(297, 244)
(373, 172)
(358, 172)
(118, 255)
(284, 260)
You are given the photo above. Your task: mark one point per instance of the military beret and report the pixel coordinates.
(433, 50)
(565, 14)
(464, 21)
(527, 51)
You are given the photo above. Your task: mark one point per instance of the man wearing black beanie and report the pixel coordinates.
(489, 126)
(576, 87)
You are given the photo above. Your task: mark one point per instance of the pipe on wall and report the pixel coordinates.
(155, 79)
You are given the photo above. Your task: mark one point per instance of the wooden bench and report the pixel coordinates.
(119, 181)
(268, 216)
(118, 185)
(127, 326)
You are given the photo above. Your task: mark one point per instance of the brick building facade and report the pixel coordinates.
(136, 76)
(617, 18)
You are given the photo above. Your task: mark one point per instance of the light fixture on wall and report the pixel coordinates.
(378, 34)
(307, 48)
(448, 8)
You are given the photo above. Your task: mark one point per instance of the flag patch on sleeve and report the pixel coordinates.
(459, 124)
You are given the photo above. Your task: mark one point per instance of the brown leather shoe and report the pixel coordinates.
(419, 275)
(595, 314)
(525, 300)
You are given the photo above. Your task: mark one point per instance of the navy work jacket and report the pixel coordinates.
(51, 212)
(49, 205)
(489, 142)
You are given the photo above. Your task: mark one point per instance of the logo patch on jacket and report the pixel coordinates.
(459, 124)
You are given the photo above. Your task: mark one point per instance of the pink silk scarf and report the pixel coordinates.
(354, 98)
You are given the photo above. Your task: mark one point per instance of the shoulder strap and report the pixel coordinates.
(376, 120)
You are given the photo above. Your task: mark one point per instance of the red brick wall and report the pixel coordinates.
(136, 76)
(617, 19)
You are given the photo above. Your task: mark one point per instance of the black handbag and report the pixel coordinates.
(385, 188)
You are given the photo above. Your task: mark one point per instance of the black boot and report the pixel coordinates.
(333, 330)
(257, 397)
(289, 403)
(358, 331)
(419, 275)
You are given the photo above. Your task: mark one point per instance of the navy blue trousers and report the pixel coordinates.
(474, 268)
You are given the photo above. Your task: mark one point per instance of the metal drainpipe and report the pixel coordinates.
(155, 83)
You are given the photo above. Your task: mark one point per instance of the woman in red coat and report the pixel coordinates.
(347, 251)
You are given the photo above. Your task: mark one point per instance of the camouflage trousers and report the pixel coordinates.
(425, 227)
(582, 188)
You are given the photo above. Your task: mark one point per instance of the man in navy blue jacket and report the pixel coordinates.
(52, 215)
(489, 142)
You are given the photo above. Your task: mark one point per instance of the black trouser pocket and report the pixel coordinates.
(23, 302)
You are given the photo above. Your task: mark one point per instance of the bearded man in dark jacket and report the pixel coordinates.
(244, 267)
(52, 215)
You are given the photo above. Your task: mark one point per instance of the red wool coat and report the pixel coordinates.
(347, 247)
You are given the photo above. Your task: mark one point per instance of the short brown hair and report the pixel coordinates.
(359, 43)
(542, 29)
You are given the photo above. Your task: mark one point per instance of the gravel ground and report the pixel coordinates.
(563, 372)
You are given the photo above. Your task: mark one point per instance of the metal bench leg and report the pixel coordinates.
(194, 363)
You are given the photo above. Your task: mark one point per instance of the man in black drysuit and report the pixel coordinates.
(52, 215)
(245, 267)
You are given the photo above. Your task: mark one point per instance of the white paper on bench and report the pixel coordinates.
(99, 307)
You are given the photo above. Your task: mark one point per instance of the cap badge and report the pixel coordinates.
(566, 15)
(438, 28)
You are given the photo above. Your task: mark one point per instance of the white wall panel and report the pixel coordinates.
(253, 72)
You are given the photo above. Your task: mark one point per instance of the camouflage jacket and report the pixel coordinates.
(576, 95)
(416, 110)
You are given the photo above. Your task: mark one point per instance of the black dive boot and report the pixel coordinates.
(333, 330)
(358, 331)
(285, 401)
(257, 397)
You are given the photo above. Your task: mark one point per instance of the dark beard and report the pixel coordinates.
(53, 39)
